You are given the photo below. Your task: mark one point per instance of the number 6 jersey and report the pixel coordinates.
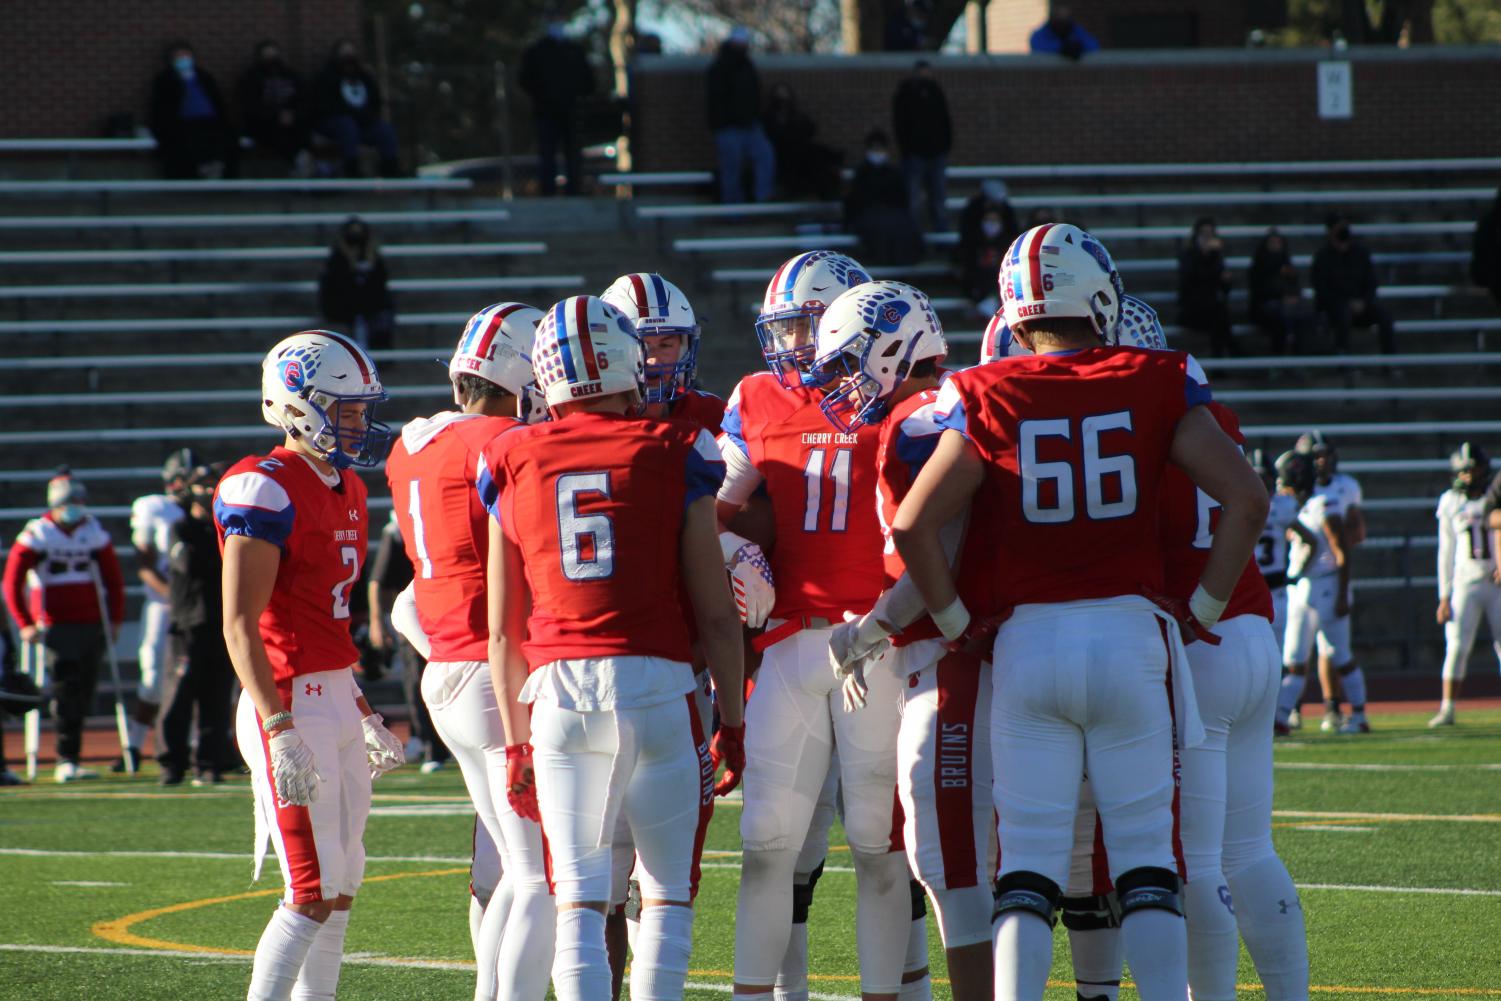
(320, 525)
(1075, 446)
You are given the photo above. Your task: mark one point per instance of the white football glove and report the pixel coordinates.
(292, 769)
(750, 580)
(854, 643)
(381, 746)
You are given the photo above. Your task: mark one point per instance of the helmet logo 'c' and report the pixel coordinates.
(291, 374)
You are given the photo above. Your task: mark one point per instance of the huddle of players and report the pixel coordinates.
(1010, 702)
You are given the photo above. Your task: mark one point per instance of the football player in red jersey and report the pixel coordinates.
(433, 470)
(1075, 441)
(293, 528)
(826, 562)
(597, 515)
(883, 343)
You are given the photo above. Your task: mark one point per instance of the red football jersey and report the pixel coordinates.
(704, 409)
(1075, 446)
(432, 471)
(322, 532)
(1188, 517)
(596, 503)
(908, 436)
(822, 485)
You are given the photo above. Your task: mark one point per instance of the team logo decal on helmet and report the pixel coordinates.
(868, 341)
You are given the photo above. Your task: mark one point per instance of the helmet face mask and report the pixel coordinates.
(796, 297)
(789, 345)
(668, 380)
(658, 309)
(868, 341)
(1295, 473)
(1472, 469)
(337, 427)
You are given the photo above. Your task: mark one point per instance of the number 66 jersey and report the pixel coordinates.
(1075, 445)
(320, 525)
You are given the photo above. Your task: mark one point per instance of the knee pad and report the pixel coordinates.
(1148, 888)
(1095, 913)
(1026, 891)
(802, 896)
(919, 900)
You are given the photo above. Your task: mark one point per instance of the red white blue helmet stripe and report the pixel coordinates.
(575, 346)
(483, 328)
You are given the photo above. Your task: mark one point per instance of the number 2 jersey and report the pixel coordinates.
(1075, 446)
(321, 527)
(1464, 542)
(596, 502)
(433, 469)
(822, 485)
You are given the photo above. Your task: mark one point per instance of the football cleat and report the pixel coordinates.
(1445, 717)
(1295, 720)
(1355, 724)
(1333, 722)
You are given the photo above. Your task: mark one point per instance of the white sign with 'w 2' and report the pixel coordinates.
(1336, 84)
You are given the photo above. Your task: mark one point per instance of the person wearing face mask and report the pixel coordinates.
(193, 137)
(987, 225)
(347, 109)
(56, 559)
(1204, 287)
(353, 291)
(1277, 305)
(877, 209)
(273, 99)
(1344, 287)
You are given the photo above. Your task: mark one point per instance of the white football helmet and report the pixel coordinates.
(997, 342)
(659, 308)
(305, 379)
(497, 346)
(868, 340)
(1140, 326)
(796, 297)
(586, 348)
(1059, 270)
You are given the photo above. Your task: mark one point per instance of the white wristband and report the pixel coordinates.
(953, 620)
(1206, 608)
(729, 545)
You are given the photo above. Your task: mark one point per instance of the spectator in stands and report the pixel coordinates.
(876, 208)
(1061, 35)
(353, 292)
(389, 573)
(804, 167)
(1344, 287)
(986, 228)
(907, 27)
(555, 74)
(347, 109)
(734, 107)
(205, 673)
(193, 136)
(273, 101)
(924, 134)
(1276, 302)
(66, 555)
(1204, 287)
(1485, 251)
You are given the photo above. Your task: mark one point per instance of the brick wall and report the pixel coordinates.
(1196, 105)
(66, 65)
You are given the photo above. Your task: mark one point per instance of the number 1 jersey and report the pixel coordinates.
(321, 529)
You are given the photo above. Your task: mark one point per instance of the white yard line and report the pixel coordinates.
(1334, 766)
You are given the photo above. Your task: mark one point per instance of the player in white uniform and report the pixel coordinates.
(1343, 495)
(1272, 547)
(151, 521)
(1467, 590)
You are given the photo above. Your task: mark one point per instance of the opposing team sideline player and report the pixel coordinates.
(883, 343)
(433, 471)
(1272, 548)
(826, 562)
(1089, 673)
(1467, 589)
(597, 516)
(294, 529)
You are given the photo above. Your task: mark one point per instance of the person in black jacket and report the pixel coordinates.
(193, 138)
(1485, 250)
(925, 135)
(1204, 287)
(734, 108)
(876, 208)
(1276, 302)
(555, 74)
(272, 100)
(804, 167)
(194, 568)
(347, 109)
(353, 291)
(987, 222)
(1344, 287)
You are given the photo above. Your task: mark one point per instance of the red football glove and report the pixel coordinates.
(1191, 628)
(521, 782)
(728, 749)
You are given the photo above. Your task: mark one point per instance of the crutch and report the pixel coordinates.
(34, 666)
(114, 671)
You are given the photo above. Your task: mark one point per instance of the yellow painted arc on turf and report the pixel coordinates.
(119, 931)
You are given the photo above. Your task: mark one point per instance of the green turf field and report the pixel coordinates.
(118, 889)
